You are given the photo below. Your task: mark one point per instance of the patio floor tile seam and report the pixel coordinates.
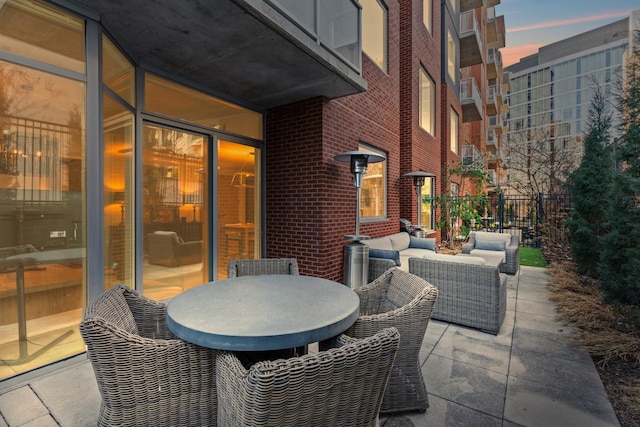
(470, 408)
(433, 347)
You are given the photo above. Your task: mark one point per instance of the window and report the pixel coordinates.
(427, 208)
(43, 186)
(451, 56)
(373, 194)
(427, 103)
(426, 14)
(374, 32)
(453, 131)
(198, 107)
(454, 188)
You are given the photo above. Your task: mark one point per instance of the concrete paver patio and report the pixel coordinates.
(527, 375)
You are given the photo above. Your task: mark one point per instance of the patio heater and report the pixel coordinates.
(419, 178)
(356, 254)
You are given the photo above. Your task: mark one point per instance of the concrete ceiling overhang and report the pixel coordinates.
(242, 49)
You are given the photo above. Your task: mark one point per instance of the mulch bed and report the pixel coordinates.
(610, 335)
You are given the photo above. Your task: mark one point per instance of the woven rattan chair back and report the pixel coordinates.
(342, 385)
(254, 267)
(404, 301)
(145, 375)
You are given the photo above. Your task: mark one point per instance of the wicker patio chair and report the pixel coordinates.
(404, 301)
(252, 267)
(341, 385)
(484, 242)
(145, 375)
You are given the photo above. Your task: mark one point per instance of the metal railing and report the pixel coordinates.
(333, 23)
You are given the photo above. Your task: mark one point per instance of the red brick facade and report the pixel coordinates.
(310, 197)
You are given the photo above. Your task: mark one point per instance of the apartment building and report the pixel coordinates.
(550, 93)
(481, 91)
(150, 146)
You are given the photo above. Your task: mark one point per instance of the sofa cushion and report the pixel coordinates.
(386, 254)
(490, 245)
(383, 243)
(491, 241)
(400, 241)
(461, 259)
(422, 243)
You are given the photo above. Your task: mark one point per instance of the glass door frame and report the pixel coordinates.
(213, 138)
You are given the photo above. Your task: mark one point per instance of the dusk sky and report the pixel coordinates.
(531, 24)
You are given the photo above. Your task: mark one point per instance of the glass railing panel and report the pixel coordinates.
(304, 12)
(339, 28)
(333, 23)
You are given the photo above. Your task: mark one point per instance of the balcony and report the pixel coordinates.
(492, 139)
(495, 29)
(505, 101)
(265, 53)
(492, 103)
(466, 5)
(471, 157)
(470, 100)
(496, 123)
(492, 3)
(494, 63)
(470, 40)
(494, 159)
(492, 182)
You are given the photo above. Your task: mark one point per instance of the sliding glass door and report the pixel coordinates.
(174, 210)
(238, 203)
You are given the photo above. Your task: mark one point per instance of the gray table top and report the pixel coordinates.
(266, 312)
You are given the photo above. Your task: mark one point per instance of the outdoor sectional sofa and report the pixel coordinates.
(473, 295)
(472, 292)
(395, 250)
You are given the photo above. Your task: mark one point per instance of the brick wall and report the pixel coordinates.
(310, 196)
(419, 49)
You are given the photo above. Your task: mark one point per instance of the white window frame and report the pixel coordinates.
(427, 102)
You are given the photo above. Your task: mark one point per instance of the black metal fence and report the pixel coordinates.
(532, 217)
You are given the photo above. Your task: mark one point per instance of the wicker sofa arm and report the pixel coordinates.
(468, 246)
(512, 256)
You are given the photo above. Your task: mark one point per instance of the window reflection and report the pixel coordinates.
(119, 125)
(42, 146)
(174, 211)
(37, 31)
(373, 195)
(198, 107)
(238, 204)
(117, 72)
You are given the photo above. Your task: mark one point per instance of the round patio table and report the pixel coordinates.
(264, 312)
